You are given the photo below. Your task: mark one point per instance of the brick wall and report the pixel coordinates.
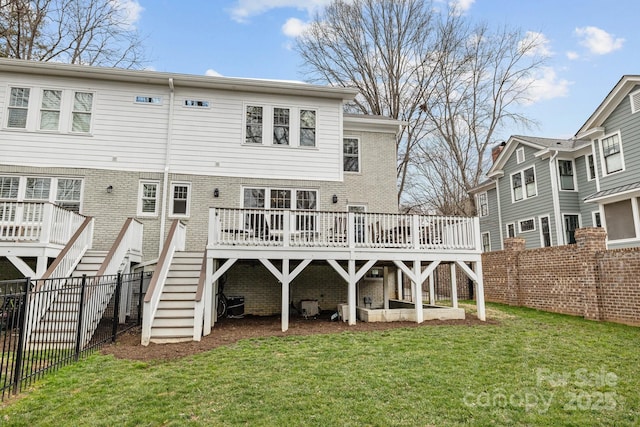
(584, 279)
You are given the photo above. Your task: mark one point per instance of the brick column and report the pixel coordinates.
(591, 241)
(513, 246)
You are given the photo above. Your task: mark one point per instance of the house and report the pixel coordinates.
(542, 189)
(266, 187)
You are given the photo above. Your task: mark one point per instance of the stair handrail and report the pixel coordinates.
(175, 241)
(199, 308)
(125, 242)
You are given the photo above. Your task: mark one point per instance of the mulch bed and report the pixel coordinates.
(229, 331)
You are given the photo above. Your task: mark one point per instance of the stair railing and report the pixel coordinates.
(175, 241)
(201, 298)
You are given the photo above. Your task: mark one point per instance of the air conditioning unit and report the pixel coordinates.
(309, 308)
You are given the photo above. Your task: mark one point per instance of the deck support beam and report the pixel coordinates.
(454, 286)
(25, 269)
(432, 290)
(476, 276)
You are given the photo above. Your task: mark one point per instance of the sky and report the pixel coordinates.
(590, 45)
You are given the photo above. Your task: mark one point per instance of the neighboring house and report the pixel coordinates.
(542, 189)
(248, 175)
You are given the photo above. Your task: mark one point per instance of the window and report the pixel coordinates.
(527, 225)
(9, 187)
(82, 105)
(18, 107)
(281, 126)
(483, 204)
(351, 148)
(193, 103)
(148, 198)
(597, 222)
(618, 218)
(279, 198)
(254, 125)
(68, 194)
(571, 224)
(486, 242)
(545, 232)
(520, 155)
(37, 189)
(591, 168)
(156, 100)
(528, 176)
(50, 109)
(180, 199)
(511, 230)
(612, 153)
(565, 169)
(307, 128)
(254, 198)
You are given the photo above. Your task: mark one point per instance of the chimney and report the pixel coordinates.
(495, 151)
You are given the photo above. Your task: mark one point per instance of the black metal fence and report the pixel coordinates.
(46, 324)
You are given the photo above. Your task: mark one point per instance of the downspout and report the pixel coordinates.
(556, 199)
(167, 162)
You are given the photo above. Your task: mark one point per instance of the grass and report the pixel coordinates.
(532, 368)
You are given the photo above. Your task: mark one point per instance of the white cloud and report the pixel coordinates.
(461, 6)
(245, 9)
(598, 41)
(212, 73)
(535, 44)
(547, 85)
(130, 9)
(294, 27)
(572, 56)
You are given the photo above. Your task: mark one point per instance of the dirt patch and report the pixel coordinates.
(229, 331)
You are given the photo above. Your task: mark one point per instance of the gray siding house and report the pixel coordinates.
(542, 189)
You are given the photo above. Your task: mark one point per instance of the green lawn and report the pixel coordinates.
(532, 368)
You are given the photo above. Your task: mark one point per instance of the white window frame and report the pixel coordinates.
(74, 111)
(564, 224)
(263, 123)
(315, 127)
(573, 176)
(30, 102)
(488, 234)
(593, 218)
(479, 197)
(634, 99)
(172, 187)
(524, 184)
(588, 166)
(54, 191)
(52, 196)
(603, 160)
(43, 109)
(274, 125)
(510, 224)
(141, 198)
(359, 157)
(520, 155)
(542, 231)
(533, 221)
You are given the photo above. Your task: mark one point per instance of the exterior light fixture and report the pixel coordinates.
(334, 199)
(110, 189)
(216, 192)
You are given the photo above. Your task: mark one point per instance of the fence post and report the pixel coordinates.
(116, 308)
(140, 298)
(17, 373)
(80, 317)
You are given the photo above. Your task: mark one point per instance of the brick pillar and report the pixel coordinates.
(591, 242)
(513, 246)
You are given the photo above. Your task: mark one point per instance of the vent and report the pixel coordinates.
(635, 101)
(520, 155)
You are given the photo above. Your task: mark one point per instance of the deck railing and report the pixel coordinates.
(284, 228)
(37, 222)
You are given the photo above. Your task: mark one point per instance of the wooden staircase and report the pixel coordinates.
(174, 318)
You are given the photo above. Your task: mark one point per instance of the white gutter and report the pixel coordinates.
(556, 199)
(167, 162)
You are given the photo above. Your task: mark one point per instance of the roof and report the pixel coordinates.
(365, 122)
(617, 191)
(543, 145)
(611, 101)
(483, 186)
(178, 80)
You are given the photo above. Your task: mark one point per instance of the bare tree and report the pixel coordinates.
(376, 46)
(90, 32)
(455, 84)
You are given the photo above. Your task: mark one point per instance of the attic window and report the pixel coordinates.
(196, 103)
(520, 155)
(635, 101)
(155, 100)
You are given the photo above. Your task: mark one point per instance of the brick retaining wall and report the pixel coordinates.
(584, 279)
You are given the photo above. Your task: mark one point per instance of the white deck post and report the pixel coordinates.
(417, 270)
(209, 297)
(352, 292)
(454, 286)
(385, 287)
(432, 290)
(285, 295)
(399, 283)
(480, 291)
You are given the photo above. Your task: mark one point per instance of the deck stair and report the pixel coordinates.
(174, 319)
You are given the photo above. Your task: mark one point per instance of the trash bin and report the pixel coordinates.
(235, 306)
